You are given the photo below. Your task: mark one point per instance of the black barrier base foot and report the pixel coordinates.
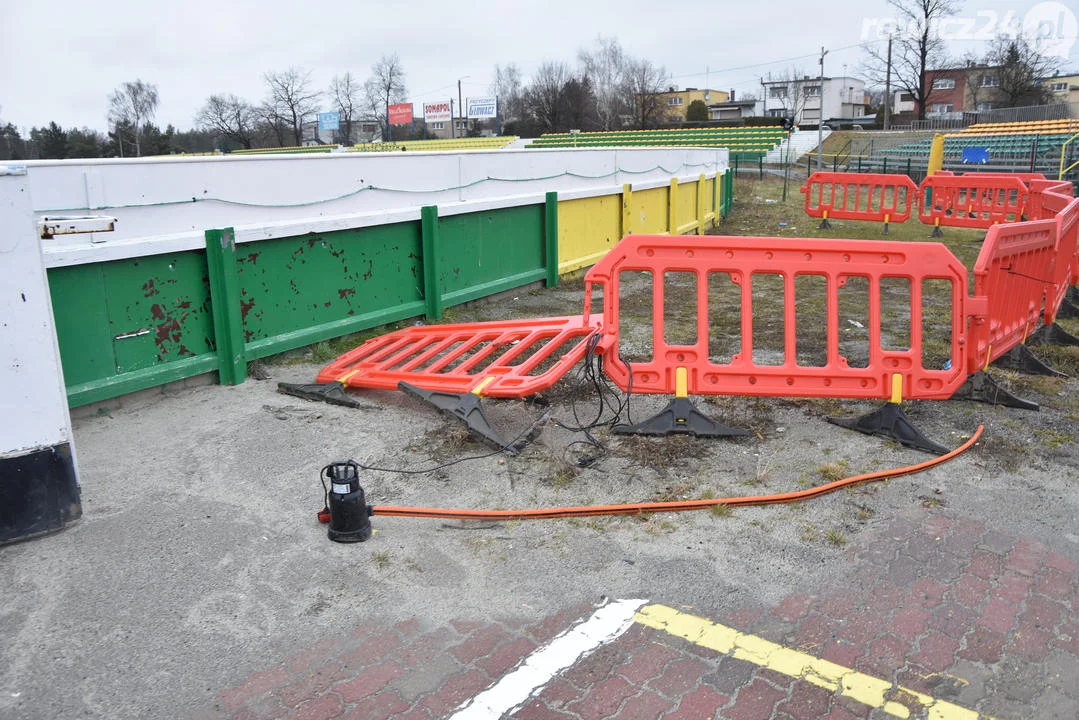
(468, 408)
(680, 417)
(1067, 310)
(1073, 294)
(824, 225)
(937, 232)
(1052, 335)
(332, 392)
(1022, 359)
(890, 421)
(983, 388)
(885, 228)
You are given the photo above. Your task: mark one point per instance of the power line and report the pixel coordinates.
(777, 62)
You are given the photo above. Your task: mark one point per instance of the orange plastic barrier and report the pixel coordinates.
(1012, 279)
(978, 200)
(884, 371)
(513, 358)
(858, 196)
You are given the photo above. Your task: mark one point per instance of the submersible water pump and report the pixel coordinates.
(349, 512)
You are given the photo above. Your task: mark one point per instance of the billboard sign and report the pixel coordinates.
(401, 114)
(437, 112)
(329, 121)
(482, 108)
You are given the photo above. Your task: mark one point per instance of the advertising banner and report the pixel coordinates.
(401, 114)
(329, 120)
(482, 108)
(437, 112)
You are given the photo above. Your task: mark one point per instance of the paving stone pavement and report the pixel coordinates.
(967, 614)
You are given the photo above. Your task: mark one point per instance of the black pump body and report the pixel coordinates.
(349, 514)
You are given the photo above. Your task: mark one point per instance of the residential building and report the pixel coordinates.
(1062, 88)
(735, 109)
(807, 100)
(677, 102)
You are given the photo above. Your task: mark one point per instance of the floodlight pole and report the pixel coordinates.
(820, 113)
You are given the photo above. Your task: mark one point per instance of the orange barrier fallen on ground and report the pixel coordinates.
(858, 196)
(505, 358)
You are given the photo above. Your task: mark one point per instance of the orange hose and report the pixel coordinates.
(671, 506)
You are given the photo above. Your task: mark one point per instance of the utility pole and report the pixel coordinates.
(460, 105)
(888, 88)
(820, 113)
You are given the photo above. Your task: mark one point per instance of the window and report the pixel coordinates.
(811, 90)
(438, 126)
(940, 108)
(674, 101)
(462, 124)
(990, 81)
(982, 107)
(944, 84)
(906, 97)
(1058, 87)
(777, 112)
(777, 92)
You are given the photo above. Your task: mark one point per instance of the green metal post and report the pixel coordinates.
(432, 291)
(225, 301)
(885, 170)
(908, 167)
(550, 237)
(760, 166)
(859, 163)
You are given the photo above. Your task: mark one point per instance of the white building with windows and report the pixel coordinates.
(809, 101)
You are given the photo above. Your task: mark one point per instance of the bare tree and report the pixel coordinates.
(605, 68)
(229, 117)
(133, 103)
(291, 99)
(916, 47)
(508, 89)
(644, 82)
(346, 95)
(544, 97)
(385, 86)
(1019, 67)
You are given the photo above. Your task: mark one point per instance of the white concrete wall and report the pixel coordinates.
(165, 204)
(32, 393)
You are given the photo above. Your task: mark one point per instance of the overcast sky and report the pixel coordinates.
(60, 59)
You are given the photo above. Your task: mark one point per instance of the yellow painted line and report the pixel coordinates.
(858, 686)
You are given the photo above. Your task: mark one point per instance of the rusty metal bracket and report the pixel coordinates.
(890, 421)
(1022, 359)
(682, 417)
(983, 388)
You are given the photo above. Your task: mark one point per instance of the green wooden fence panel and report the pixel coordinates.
(487, 252)
(299, 290)
(126, 325)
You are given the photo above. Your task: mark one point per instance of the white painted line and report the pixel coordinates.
(511, 692)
